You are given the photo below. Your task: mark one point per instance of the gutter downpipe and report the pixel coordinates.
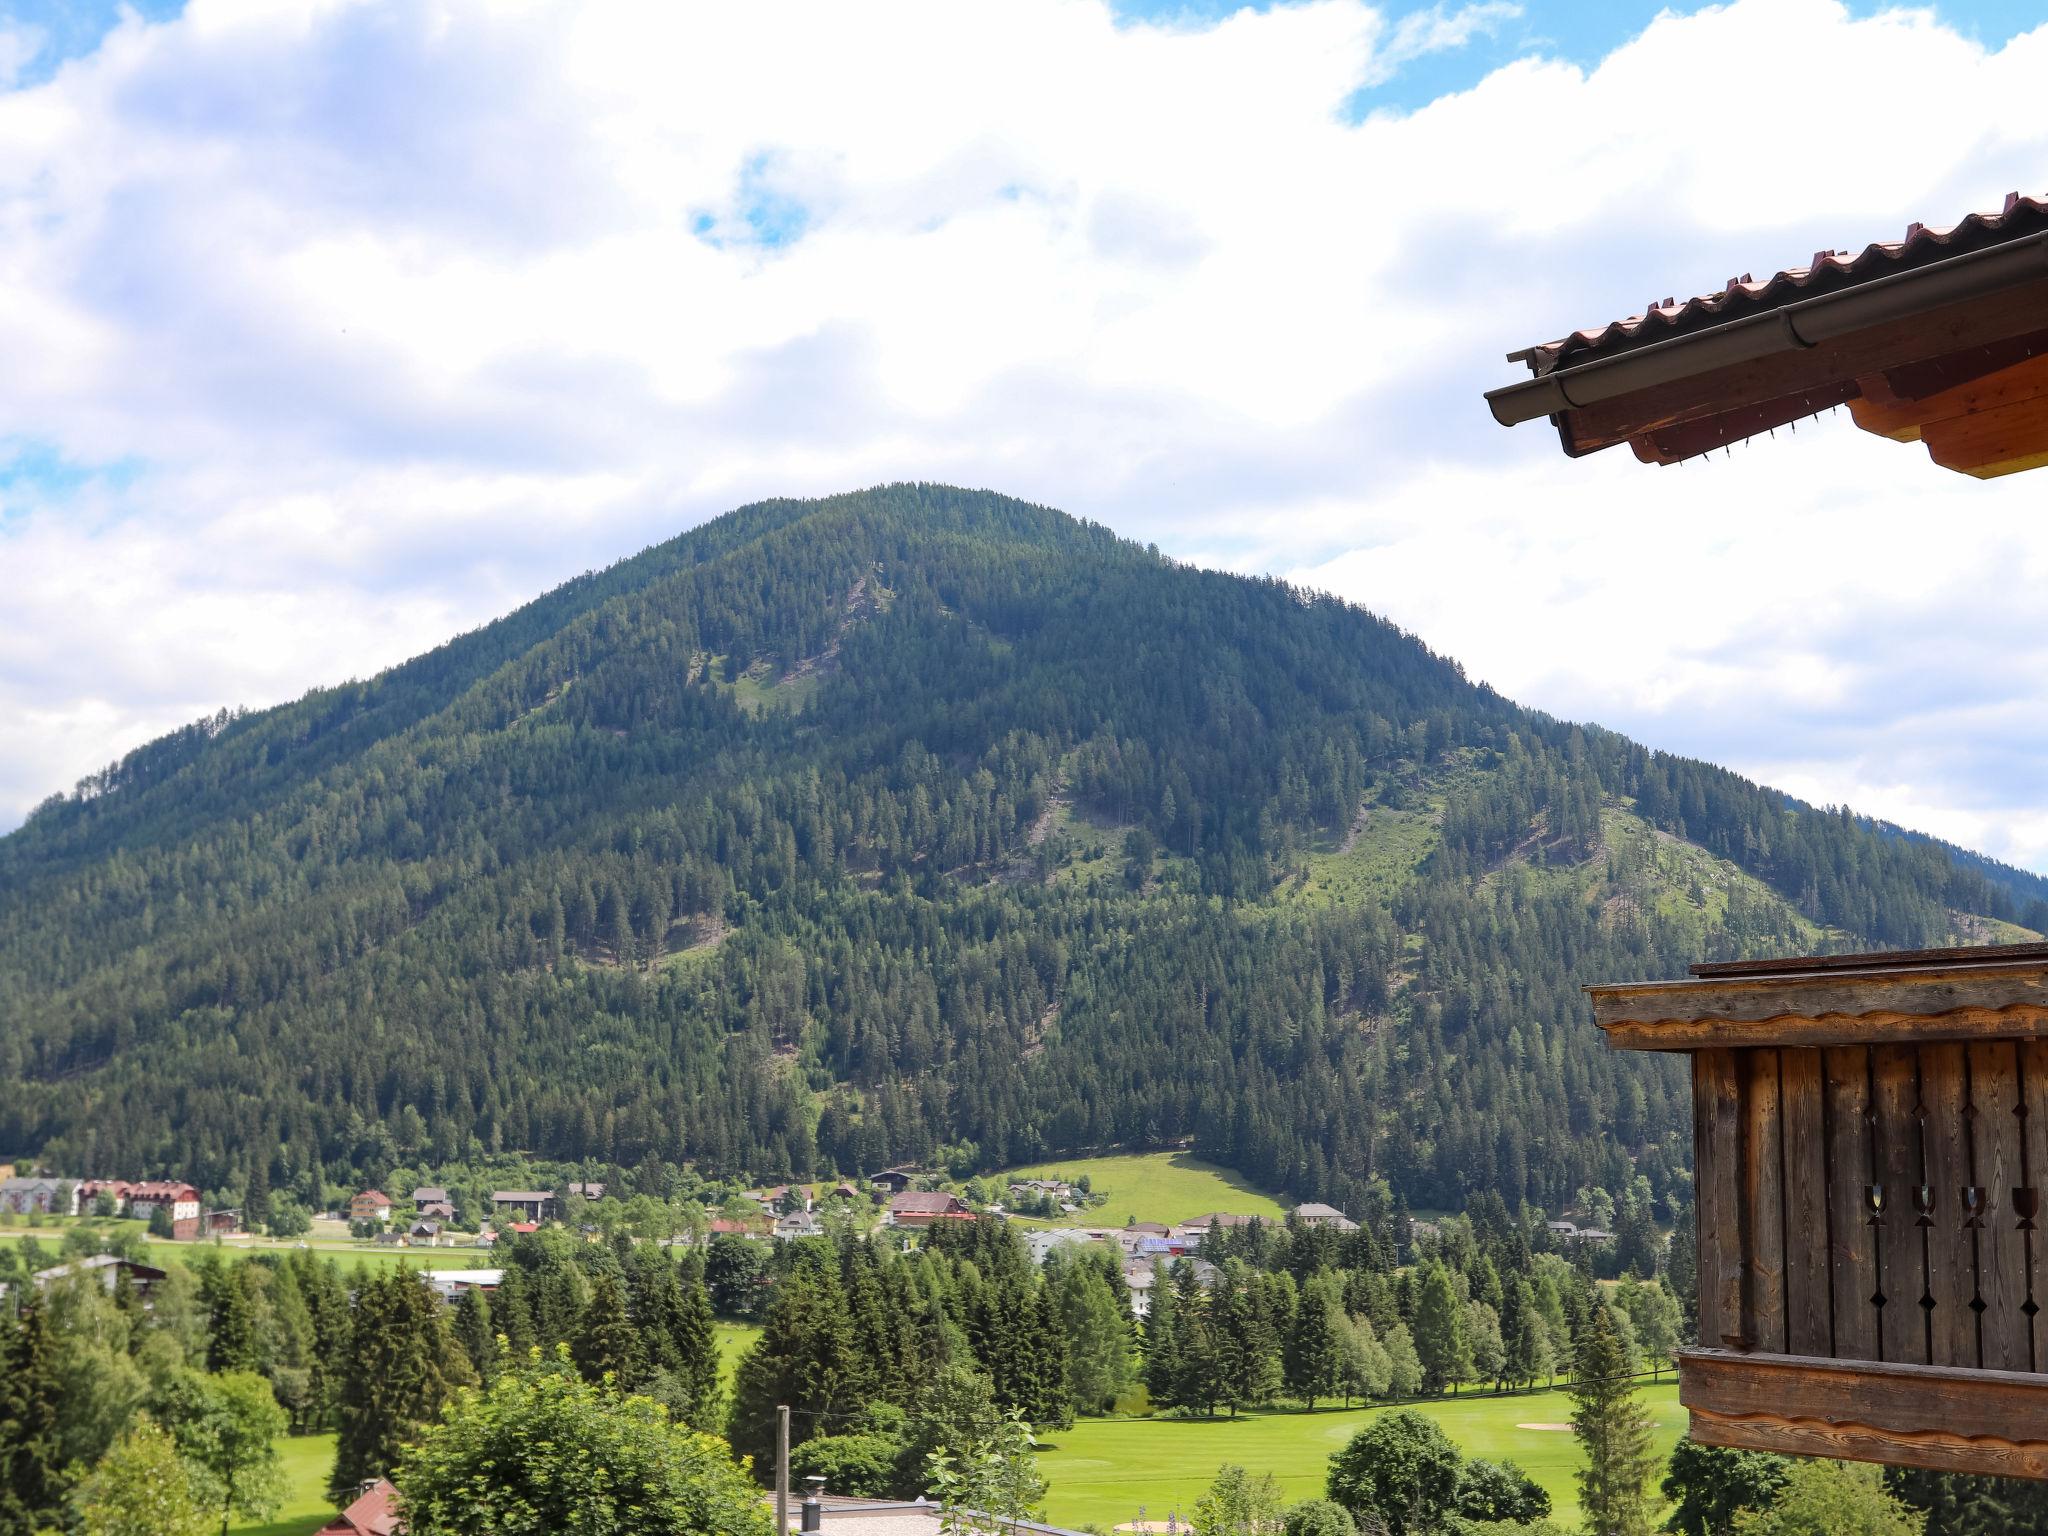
(1789, 328)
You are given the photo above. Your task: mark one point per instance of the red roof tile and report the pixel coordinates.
(1826, 272)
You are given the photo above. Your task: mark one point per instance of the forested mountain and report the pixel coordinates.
(916, 821)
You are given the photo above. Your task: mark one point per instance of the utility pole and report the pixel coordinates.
(782, 1470)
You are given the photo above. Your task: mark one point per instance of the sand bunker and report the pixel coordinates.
(1564, 1427)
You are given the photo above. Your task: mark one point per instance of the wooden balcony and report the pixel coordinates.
(1870, 1141)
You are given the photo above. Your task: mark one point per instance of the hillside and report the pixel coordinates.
(836, 833)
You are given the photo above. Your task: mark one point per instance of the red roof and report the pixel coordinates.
(375, 1513)
(374, 1196)
(921, 1202)
(525, 1226)
(161, 1189)
(1826, 272)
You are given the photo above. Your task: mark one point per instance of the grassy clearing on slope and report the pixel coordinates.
(1102, 1470)
(1389, 848)
(1153, 1186)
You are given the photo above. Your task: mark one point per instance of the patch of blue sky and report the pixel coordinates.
(1581, 32)
(34, 473)
(770, 216)
(63, 30)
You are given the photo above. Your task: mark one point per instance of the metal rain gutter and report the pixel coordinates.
(1789, 328)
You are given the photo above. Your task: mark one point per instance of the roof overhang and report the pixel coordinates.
(1952, 353)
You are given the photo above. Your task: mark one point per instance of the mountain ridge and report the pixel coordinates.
(1018, 870)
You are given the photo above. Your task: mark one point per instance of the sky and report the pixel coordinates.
(329, 329)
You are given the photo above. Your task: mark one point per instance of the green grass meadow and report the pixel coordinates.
(1151, 1186)
(1102, 1470)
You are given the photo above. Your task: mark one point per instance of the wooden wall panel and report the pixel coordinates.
(1901, 1251)
(2034, 1150)
(1853, 1241)
(1809, 1314)
(1717, 1146)
(1951, 1261)
(1763, 1202)
(2001, 1248)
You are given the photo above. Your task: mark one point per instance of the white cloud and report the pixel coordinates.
(389, 316)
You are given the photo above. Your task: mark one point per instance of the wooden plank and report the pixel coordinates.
(1674, 445)
(1904, 419)
(1940, 1416)
(2001, 1246)
(1901, 1254)
(1955, 1002)
(1951, 1258)
(1992, 442)
(1809, 1326)
(1691, 1034)
(1763, 1202)
(1852, 1241)
(2034, 1148)
(1717, 1170)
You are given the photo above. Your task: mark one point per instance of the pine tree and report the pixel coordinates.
(1614, 1429)
(1518, 1332)
(512, 1310)
(1312, 1344)
(32, 1481)
(805, 1358)
(1165, 1371)
(403, 1365)
(696, 1354)
(604, 1343)
(1439, 1329)
(474, 1332)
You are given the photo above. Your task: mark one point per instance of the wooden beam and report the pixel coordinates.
(1903, 419)
(1999, 441)
(1959, 1002)
(1940, 1417)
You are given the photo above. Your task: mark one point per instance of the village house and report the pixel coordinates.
(105, 1267)
(1316, 1214)
(917, 1208)
(797, 1224)
(370, 1205)
(429, 1194)
(436, 1210)
(425, 1230)
(449, 1284)
(895, 1180)
(179, 1201)
(222, 1223)
(43, 1197)
(589, 1189)
(373, 1513)
(1192, 1232)
(532, 1204)
(116, 1190)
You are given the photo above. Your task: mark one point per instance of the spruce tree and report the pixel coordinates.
(1165, 1371)
(603, 1343)
(403, 1364)
(32, 1480)
(1312, 1344)
(1439, 1329)
(1614, 1429)
(512, 1310)
(805, 1358)
(696, 1354)
(474, 1332)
